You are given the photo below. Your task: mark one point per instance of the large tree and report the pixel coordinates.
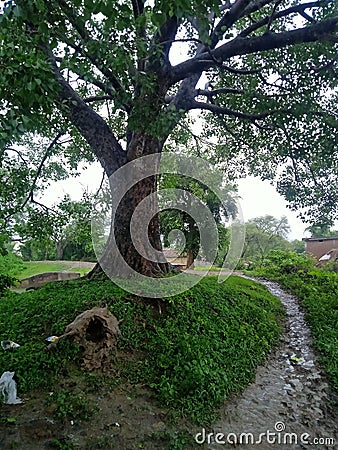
(264, 234)
(180, 218)
(113, 76)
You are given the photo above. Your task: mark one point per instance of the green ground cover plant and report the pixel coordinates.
(317, 290)
(204, 346)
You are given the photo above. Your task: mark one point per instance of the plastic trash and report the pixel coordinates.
(7, 345)
(52, 339)
(8, 389)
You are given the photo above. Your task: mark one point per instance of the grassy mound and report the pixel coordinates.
(204, 346)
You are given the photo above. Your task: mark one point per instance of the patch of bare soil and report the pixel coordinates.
(124, 418)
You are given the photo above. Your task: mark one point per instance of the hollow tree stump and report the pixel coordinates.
(95, 331)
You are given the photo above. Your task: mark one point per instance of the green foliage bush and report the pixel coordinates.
(10, 264)
(205, 347)
(331, 266)
(277, 262)
(5, 282)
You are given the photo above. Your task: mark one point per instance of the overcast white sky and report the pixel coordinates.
(257, 198)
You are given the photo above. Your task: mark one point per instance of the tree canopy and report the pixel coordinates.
(187, 191)
(264, 234)
(119, 78)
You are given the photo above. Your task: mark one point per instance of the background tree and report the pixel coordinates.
(101, 70)
(178, 217)
(60, 232)
(264, 234)
(298, 246)
(321, 230)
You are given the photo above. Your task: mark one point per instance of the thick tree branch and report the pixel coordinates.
(138, 8)
(229, 18)
(227, 111)
(241, 71)
(321, 31)
(307, 17)
(275, 6)
(39, 169)
(90, 124)
(286, 12)
(214, 92)
(97, 98)
(164, 37)
(254, 6)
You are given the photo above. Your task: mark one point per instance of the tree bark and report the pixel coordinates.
(135, 231)
(60, 247)
(190, 259)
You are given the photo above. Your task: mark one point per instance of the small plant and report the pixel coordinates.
(72, 406)
(62, 444)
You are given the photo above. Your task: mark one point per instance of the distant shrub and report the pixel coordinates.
(10, 264)
(331, 266)
(282, 262)
(5, 282)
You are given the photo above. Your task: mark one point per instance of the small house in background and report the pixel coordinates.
(324, 249)
(175, 258)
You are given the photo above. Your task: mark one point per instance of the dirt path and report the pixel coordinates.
(290, 395)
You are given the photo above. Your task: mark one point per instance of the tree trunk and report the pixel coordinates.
(134, 243)
(190, 259)
(59, 248)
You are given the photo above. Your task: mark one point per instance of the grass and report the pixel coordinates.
(205, 347)
(210, 269)
(82, 271)
(31, 268)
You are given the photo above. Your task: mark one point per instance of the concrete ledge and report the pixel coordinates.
(38, 280)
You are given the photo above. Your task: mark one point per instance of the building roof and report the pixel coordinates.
(332, 255)
(320, 239)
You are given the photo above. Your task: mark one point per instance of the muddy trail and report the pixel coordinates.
(290, 395)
